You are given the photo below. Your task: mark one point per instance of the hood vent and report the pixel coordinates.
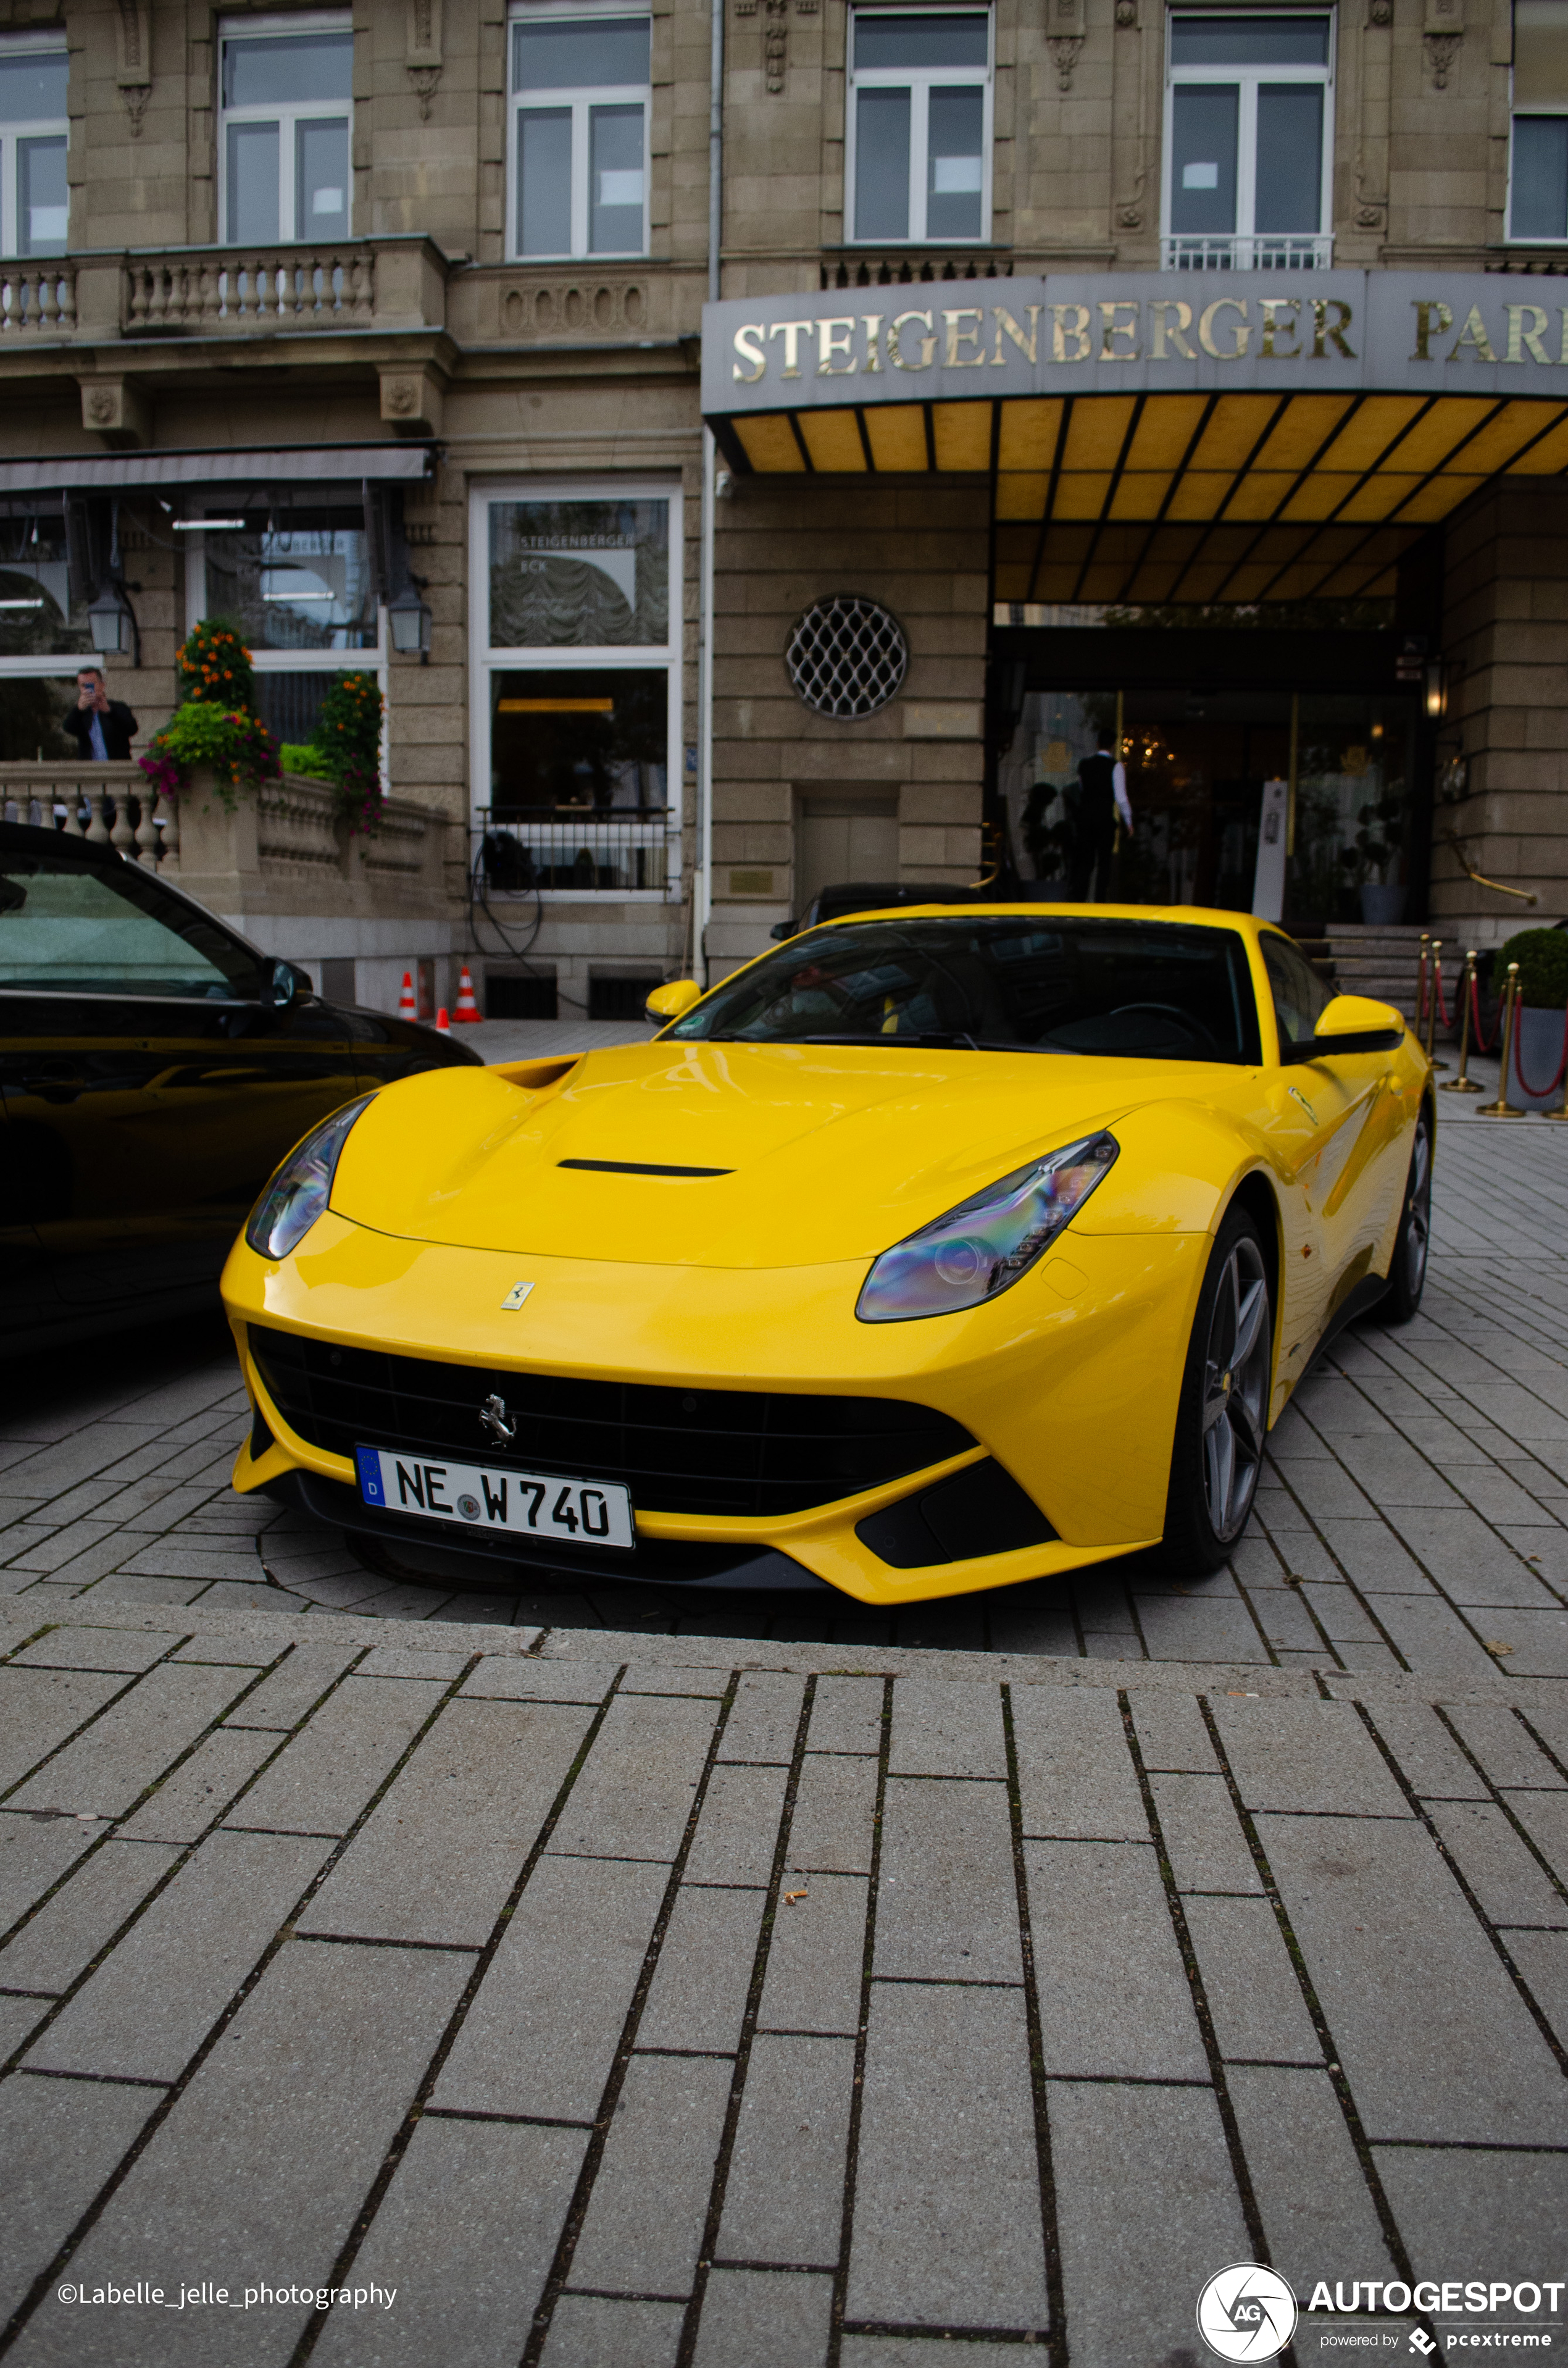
(639, 1167)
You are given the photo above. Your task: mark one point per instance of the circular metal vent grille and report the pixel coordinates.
(846, 656)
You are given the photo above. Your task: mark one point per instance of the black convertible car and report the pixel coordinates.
(154, 1067)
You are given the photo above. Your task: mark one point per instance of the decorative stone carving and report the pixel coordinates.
(411, 400)
(1065, 49)
(115, 409)
(1380, 12)
(1442, 49)
(1127, 15)
(775, 44)
(133, 60)
(425, 55)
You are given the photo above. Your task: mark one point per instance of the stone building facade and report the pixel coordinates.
(411, 293)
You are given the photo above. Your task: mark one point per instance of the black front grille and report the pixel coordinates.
(747, 1453)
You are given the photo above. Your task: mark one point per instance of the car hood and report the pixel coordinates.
(823, 1151)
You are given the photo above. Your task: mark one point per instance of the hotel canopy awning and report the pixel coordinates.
(1192, 438)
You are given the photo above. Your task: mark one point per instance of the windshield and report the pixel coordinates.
(68, 927)
(1140, 990)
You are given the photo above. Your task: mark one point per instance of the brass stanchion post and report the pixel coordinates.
(1464, 1083)
(1435, 1004)
(1423, 970)
(1500, 1107)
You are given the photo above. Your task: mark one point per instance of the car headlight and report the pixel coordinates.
(301, 1188)
(986, 1242)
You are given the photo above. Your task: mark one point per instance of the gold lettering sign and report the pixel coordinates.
(1333, 330)
(749, 351)
(957, 337)
(1431, 319)
(1209, 321)
(1070, 321)
(1271, 307)
(835, 337)
(1111, 328)
(1174, 331)
(1519, 336)
(895, 349)
(1007, 326)
(792, 332)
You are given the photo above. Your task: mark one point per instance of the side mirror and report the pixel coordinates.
(668, 1002)
(1351, 1023)
(782, 929)
(286, 982)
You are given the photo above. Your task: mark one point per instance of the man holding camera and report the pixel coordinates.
(102, 727)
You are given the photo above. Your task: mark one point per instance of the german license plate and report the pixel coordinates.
(525, 1504)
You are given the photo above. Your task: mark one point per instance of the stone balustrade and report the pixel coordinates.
(286, 288)
(285, 851)
(40, 298)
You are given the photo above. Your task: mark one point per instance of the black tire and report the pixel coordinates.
(1407, 1269)
(1223, 1414)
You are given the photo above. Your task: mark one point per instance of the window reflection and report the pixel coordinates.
(300, 587)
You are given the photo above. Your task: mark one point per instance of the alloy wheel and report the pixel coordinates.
(1235, 1391)
(1418, 1219)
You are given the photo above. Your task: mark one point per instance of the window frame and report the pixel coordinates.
(1247, 80)
(580, 100)
(1552, 110)
(288, 115)
(43, 44)
(487, 659)
(921, 78)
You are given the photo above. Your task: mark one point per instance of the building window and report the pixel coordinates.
(580, 135)
(43, 632)
(576, 718)
(1248, 142)
(1538, 191)
(918, 167)
(298, 580)
(34, 202)
(286, 88)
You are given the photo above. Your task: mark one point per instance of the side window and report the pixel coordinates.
(70, 928)
(1538, 174)
(286, 104)
(1299, 994)
(34, 202)
(580, 92)
(919, 150)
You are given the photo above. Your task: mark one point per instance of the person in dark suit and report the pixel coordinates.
(1102, 801)
(102, 727)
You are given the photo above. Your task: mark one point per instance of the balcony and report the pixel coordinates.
(570, 852)
(908, 266)
(1277, 251)
(216, 291)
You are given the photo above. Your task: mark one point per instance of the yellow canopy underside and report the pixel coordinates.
(1199, 497)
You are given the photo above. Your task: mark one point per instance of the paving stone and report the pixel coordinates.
(1435, 2040)
(1286, 1619)
(1146, 2208)
(195, 1795)
(1542, 1961)
(326, 1774)
(58, 1943)
(439, 1854)
(541, 2035)
(947, 2228)
(1171, 1732)
(1504, 1746)
(115, 1586)
(82, 1454)
(134, 1741)
(643, 2229)
(1537, 1641)
(82, 1648)
(59, 2141)
(1199, 1629)
(1255, 2000)
(166, 1560)
(816, 1956)
(270, 2150)
(764, 1718)
(948, 1900)
(19, 2017)
(1343, 1618)
(1324, 1490)
(947, 1726)
(1373, 1558)
(835, 1803)
(34, 1853)
(1504, 1875)
(1203, 1838)
(39, 1708)
(590, 2331)
(784, 2197)
(145, 2012)
(485, 2200)
(505, 1677)
(697, 1996)
(1105, 1958)
(1544, 1817)
(1471, 2213)
(920, 2351)
(1433, 1638)
(233, 1652)
(648, 1678)
(406, 1661)
(1075, 1773)
(752, 2318)
(1428, 1758)
(294, 1687)
(1316, 2208)
(1306, 1756)
(635, 1794)
(737, 1831)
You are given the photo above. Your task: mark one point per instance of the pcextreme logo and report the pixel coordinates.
(1247, 2313)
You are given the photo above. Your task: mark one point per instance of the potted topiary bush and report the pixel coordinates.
(1373, 856)
(1542, 957)
(215, 728)
(346, 749)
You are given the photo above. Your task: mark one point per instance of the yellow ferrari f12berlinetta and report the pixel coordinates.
(933, 1250)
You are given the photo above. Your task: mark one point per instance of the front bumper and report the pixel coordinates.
(1069, 1382)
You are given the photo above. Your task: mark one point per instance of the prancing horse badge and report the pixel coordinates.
(517, 1295)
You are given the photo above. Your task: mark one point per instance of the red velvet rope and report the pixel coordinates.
(1481, 1045)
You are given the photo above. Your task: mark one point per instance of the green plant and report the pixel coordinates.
(1377, 841)
(303, 757)
(213, 668)
(348, 745)
(1542, 957)
(237, 747)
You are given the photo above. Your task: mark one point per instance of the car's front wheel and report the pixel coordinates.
(1407, 1270)
(1223, 1414)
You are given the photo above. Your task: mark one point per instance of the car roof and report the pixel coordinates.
(1205, 916)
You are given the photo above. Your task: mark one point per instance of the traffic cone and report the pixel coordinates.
(443, 1025)
(406, 1008)
(468, 1009)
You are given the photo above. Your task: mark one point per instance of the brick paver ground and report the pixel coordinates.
(641, 1995)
